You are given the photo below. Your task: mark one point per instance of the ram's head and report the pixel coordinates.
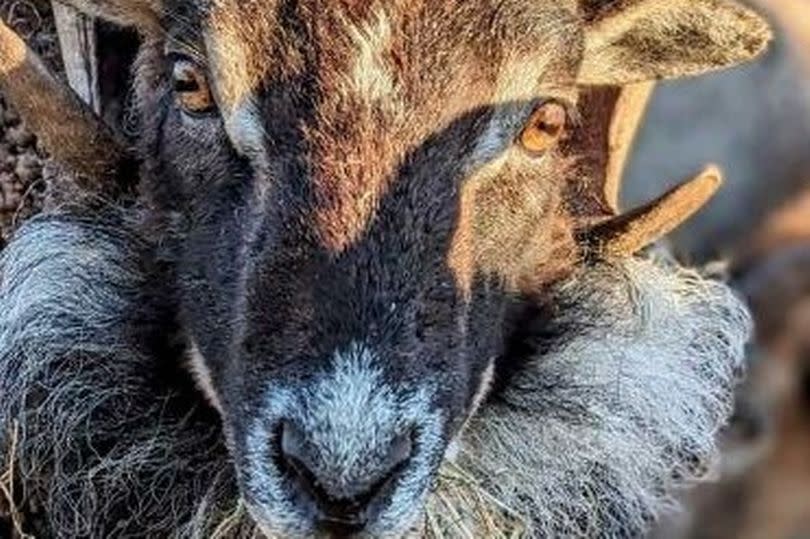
(370, 208)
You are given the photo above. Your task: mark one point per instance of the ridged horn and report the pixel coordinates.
(72, 134)
(630, 232)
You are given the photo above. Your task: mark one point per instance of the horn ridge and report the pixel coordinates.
(72, 134)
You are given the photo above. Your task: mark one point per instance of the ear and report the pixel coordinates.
(637, 40)
(629, 233)
(144, 14)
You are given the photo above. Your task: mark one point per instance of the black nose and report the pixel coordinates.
(346, 507)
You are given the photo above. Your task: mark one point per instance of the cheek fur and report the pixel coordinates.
(637, 341)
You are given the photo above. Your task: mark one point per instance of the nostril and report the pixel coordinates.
(294, 460)
(399, 453)
(293, 455)
(293, 443)
(350, 504)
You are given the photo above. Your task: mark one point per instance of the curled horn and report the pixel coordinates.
(631, 104)
(73, 135)
(630, 232)
(604, 230)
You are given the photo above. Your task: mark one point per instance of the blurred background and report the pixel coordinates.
(754, 121)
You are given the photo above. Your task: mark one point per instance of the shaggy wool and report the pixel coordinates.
(631, 378)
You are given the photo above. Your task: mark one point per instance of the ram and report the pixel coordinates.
(364, 275)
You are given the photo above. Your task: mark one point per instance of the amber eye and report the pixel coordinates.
(191, 90)
(545, 127)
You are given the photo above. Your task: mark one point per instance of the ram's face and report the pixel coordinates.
(359, 200)
(364, 190)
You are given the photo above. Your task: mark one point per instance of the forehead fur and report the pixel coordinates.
(382, 49)
(365, 83)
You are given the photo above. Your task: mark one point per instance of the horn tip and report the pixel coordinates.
(712, 172)
(708, 182)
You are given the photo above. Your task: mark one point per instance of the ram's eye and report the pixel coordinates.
(191, 90)
(544, 129)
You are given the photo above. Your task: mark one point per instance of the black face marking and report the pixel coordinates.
(325, 209)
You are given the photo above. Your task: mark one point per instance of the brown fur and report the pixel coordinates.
(360, 142)
(777, 493)
(353, 161)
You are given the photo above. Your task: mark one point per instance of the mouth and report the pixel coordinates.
(387, 507)
(337, 516)
(356, 460)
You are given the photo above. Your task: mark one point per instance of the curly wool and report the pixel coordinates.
(631, 380)
(110, 437)
(621, 407)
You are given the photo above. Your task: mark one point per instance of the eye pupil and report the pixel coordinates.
(544, 129)
(191, 90)
(551, 129)
(188, 85)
